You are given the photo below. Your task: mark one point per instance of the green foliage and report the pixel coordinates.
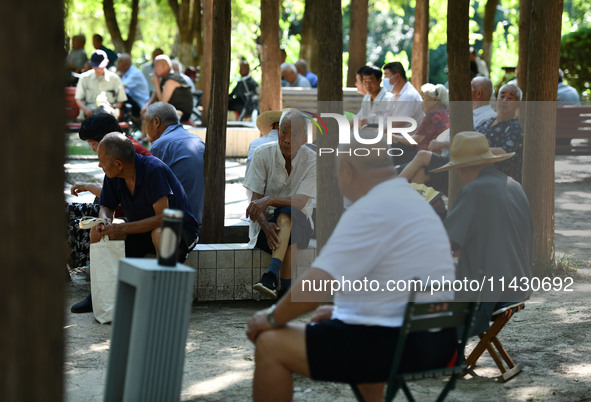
(575, 62)
(156, 27)
(564, 265)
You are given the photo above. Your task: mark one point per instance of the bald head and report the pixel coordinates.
(124, 63)
(482, 90)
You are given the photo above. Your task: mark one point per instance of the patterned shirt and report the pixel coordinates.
(434, 123)
(508, 135)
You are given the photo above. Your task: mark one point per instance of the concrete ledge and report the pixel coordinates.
(229, 271)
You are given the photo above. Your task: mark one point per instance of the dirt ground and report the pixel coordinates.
(551, 338)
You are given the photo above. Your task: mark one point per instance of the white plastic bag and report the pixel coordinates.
(104, 266)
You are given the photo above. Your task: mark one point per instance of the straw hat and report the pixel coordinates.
(470, 148)
(266, 119)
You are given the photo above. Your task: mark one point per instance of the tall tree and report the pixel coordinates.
(357, 39)
(458, 61)
(215, 150)
(309, 41)
(32, 203)
(270, 56)
(329, 206)
(488, 28)
(524, 23)
(205, 75)
(197, 30)
(121, 46)
(185, 14)
(540, 124)
(420, 45)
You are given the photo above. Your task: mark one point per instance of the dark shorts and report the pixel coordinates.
(363, 354)
(301, 230)
(439, 181)
(138, 245)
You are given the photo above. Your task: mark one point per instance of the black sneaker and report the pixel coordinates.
(267, 285)
(84, 306)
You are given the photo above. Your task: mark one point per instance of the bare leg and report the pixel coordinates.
(278, 354)
(416, 168)
(284, 223)
(372, 392)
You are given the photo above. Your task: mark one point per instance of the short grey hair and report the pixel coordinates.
(118, 147)
(302, 63)
(436, 91)
(164, 111)
(288, 67)
(515, 88)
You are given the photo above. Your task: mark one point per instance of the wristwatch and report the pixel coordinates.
(271, 317)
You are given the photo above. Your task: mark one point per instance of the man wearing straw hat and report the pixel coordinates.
(268, 125)
(490, 225)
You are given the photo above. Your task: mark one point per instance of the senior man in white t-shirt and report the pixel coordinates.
(388, 233)
(282, 178)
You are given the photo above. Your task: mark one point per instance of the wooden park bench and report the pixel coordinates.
(573, 123)
(72, 111)
(306, 99)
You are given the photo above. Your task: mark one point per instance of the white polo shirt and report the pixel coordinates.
(408, 103)
(381, 106)
(267, 176)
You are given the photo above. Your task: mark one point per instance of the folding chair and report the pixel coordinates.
(422, 317)
(490, 342)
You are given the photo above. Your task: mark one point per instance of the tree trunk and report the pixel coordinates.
(458, 61)
(488, 28)
(197, 32)
(420, 45)
(215, 149)
(309, 41)
(540, 125)
(121, 46)
(184, 19)
(329, 205)
(270, 56)
(357, 39)
(32, 202)
(206, 61)
(524, 22)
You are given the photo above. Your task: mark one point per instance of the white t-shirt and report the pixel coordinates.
(483, 113)
(391, 233)
(267, 176)
(408, 103)
(381, 106)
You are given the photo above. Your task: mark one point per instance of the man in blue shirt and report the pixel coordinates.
(135, 84)
(181, 150)
(145, 187)
(302, 67)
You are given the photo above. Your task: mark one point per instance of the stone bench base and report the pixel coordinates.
(229, 271)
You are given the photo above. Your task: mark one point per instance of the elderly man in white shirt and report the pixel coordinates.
(282, 178)
(377, 101)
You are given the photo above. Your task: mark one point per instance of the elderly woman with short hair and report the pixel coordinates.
(435, 105)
